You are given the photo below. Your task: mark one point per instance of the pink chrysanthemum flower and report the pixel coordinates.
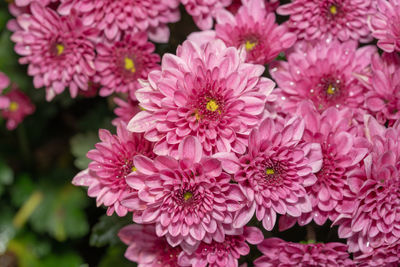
(188, 199)
(383, 96)
(125, 110)
(19, 107)
(203, 11)
(4, 83)
(254, 30)
(274, 172)
(385, 25)
(376, 219)
(146, 248)
(342, 150)
(223, 254)
(112, 162)
(23, 3)
(114, 18)
(385, 256)
(270, 6)
(324, 73)
(330, 19)
(58, 56)
(208, 92)
(119, 65)
(279, 253)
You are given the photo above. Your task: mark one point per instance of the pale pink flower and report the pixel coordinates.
(112, 161)
(375, 221)
(385, 25)
(223, 254)
(114, 18)
(383, 96)
(4, 83)
(279, 253)
(203, 11)
(385, 256)
(342, 20)
(325, 73)
(146, 248)
(18, 108)
(208, 92)
(342, 151)
(188, 199)
(121, 64)
(58, 56)
(254, 30)
(274, 173)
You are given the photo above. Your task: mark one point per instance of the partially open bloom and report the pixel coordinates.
(112, 162)
(146, 248)
(119, 65)
(207, 92)
(18, 108)
(223, 254)
(324, 73)
(330, 19)
(4, 83)
(58, 56)
(188, 199)
(383, 96)
(274, 172)
(279, 253)
(114, 17)
(385, 25)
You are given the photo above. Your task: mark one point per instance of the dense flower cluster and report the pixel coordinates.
(210, 144)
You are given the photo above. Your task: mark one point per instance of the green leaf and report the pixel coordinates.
(21, 189)
(106, 230)
(80, 145)
(64, 260)
(6, 176)
(115, 257)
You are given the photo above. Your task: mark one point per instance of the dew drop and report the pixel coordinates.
(291, 83)
(274, 69)
(312, 91)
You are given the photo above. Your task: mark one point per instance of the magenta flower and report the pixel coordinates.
(254, 30)
(330, 19)
(274, 172)
(119, 65)
(385, 25)
(188, 199)
(4, 83)
(203, 11)
(58, 56)
(383, 96)
(375, 221)
(112, 161)
(279, 253)
(125, 110)
(226, 253)
(19, 107)
(270, 5)
(206, 92)
(387, 256)
(115, 17)
(146, 248)
(324, 73)
(23, 3)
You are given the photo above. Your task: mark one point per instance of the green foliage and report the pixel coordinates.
(106, 230)
(115, 257)
(6, 176)
(80, 145)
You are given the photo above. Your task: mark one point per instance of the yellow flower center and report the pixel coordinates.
(249, 45)
(212, 105)
(60, 49)
(13, 106)
(130, 65)
(134, 169)
(188, 195)
(331, 90)
(333, 9)
(269, 171)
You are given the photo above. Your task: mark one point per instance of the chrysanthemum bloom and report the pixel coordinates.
(125, 110)
(274, 172)
(270, 5)
(146, 248)
(255, 30)
(58, 56)
(112, 162)
(383, 96)
(19, 107)
(23, 3)
(223, 254)
(114, 18)
(207, 92)
(386, 256)
(385, 25)
(203, 11)
(324, 73)
(376, 219)
(279, 253)
(4, 83)
(330, 19)
(119, 65)
(188, 199)
(342, 151)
